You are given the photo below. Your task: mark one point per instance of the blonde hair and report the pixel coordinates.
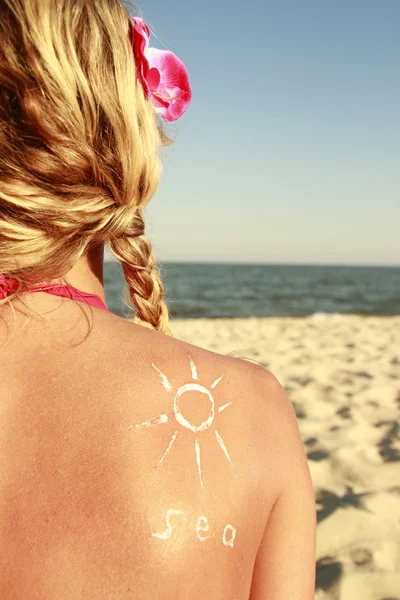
(79, 146)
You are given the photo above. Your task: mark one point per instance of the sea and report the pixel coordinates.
(211, 291)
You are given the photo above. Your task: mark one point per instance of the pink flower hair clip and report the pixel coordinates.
(164, 77)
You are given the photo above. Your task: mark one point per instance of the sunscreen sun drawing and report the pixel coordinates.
(181, 420)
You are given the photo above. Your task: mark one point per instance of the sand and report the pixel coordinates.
(342, 373)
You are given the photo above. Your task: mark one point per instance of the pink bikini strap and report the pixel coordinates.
(9, 286)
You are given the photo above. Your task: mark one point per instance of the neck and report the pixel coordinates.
(87, 274)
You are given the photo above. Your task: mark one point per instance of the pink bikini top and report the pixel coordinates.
(8, 286)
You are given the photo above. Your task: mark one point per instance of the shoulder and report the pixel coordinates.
(149, 374)
(261, 403)
(260, 391)
(187, 359)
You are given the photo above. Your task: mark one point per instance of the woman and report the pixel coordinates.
(133, 465)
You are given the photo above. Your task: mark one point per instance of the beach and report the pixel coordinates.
(342, 374)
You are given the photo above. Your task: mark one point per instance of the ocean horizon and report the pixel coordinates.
(239, 290)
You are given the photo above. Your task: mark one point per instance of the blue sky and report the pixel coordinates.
(290, 150)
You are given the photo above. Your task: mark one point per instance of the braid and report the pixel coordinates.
(145, 286)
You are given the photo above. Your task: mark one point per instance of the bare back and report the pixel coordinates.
(137, 466)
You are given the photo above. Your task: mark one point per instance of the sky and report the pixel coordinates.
(290, 149)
